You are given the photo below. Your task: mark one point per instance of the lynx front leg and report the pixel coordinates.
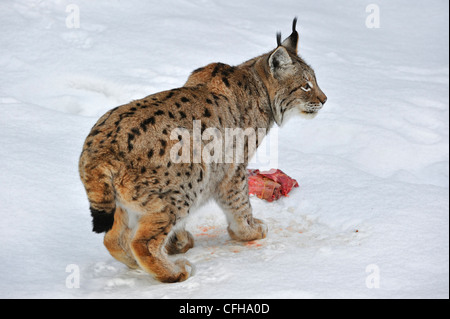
(234, 200)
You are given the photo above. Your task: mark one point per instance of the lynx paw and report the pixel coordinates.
(184, 269)
(180, 242)
(256, 229)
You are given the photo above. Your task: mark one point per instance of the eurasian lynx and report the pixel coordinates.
(139, 194)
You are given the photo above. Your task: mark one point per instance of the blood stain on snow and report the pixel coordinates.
(253, 243)
(208, 231)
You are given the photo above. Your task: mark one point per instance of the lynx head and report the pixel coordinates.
(294, 84)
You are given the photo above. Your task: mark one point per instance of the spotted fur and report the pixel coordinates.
(140, 197)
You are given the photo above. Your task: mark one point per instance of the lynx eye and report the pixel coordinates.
(308, 86)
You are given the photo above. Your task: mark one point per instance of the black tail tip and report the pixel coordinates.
(102, 221)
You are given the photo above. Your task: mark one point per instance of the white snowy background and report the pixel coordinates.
(373, 166)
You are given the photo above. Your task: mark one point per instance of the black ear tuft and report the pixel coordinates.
(291, 43)
(278, 39)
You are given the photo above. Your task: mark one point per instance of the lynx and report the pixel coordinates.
(140, 196)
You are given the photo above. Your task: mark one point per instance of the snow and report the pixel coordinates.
(370, 218)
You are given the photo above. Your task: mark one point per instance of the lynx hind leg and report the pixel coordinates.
(148, 246)
(117, 240)
(180, 241)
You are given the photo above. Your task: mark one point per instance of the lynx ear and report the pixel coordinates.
(279, 60)
(291, 42)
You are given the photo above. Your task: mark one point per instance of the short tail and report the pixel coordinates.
(100, 192)
(102, 221)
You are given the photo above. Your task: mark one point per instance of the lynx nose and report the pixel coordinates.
(322, 98)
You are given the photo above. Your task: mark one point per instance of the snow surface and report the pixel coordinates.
(372, 206)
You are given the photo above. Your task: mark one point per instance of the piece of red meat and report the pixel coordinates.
(264, 187)
(281, 178)
(270, 185)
